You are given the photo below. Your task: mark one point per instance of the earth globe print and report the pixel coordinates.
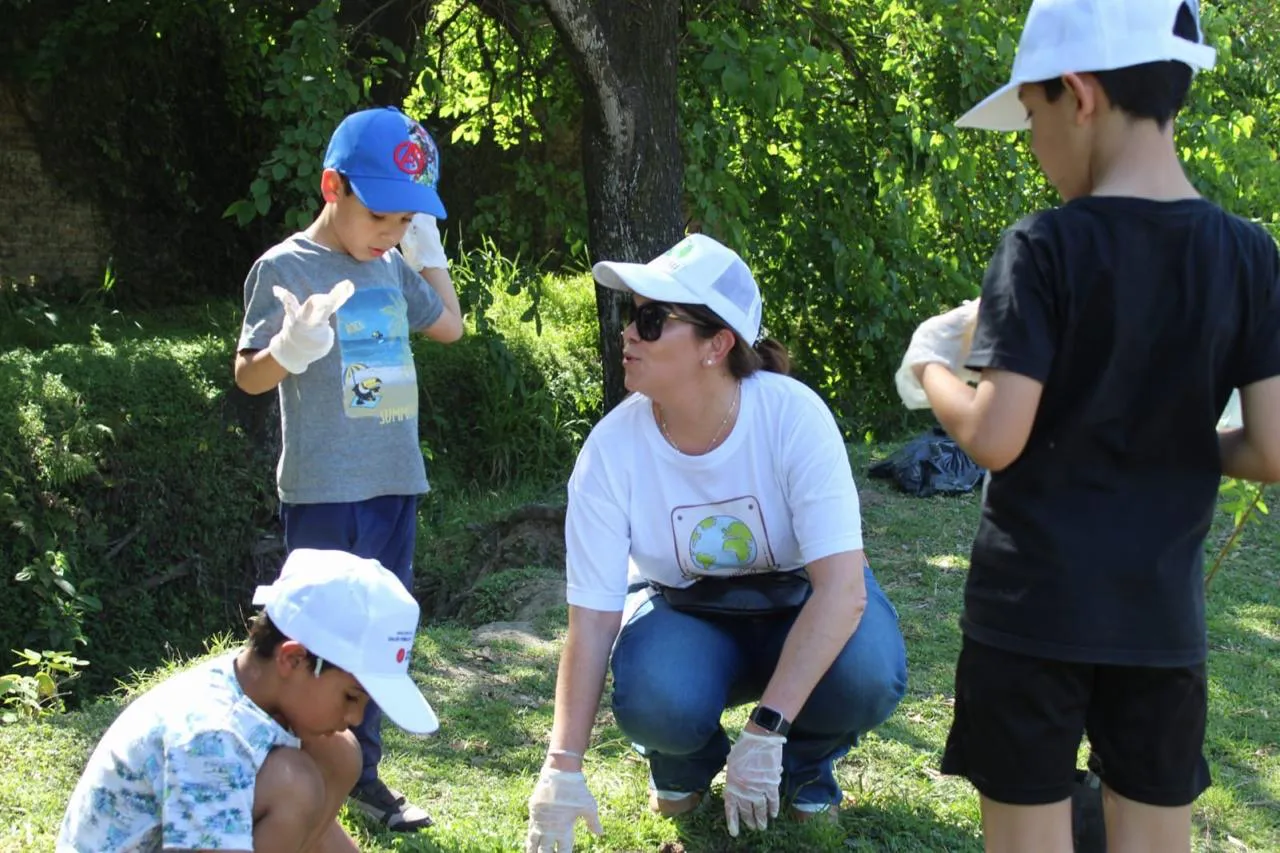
(722, 541)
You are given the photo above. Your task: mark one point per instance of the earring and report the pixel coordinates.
(708, 362)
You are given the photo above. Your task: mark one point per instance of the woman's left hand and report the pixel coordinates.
(752, 777)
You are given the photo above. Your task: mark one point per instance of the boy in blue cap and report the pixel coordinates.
(1110, 334)
(328, 314)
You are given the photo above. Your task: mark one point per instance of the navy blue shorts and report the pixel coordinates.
(383, 528)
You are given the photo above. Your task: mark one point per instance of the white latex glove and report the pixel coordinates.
(306, 334)
(944, 339)
(421, 245)
(558, 800)
(752, 776)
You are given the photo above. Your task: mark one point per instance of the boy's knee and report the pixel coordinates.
(340, 760)
(290, 789)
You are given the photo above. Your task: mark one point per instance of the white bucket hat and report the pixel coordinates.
(1076, 36)
(695, 271)
(357, 615)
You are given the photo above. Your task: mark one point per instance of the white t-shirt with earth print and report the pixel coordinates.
(176, 770)
(777, 494)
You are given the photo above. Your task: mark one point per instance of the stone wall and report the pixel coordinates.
(46, 231)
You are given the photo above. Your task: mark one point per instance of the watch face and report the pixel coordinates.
(766, 718)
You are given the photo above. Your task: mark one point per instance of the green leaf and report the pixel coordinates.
(735, 81)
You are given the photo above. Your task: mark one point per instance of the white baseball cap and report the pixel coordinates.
(357, 615)
(1077, 36)
(695, 271)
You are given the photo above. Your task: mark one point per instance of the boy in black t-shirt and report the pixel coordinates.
(1110, 334)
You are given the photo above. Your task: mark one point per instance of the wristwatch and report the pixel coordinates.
(770, 720)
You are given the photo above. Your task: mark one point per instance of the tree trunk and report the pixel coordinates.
(398, 21)
(624, 55)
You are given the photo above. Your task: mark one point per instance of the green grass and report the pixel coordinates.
(494, 700)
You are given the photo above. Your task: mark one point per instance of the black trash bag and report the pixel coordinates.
(930, 464)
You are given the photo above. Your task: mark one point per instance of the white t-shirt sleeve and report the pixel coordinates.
(207, 801)
(597, 535)
(821, 494)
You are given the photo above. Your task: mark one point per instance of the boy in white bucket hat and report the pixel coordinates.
(252, 751)
(1110, 334)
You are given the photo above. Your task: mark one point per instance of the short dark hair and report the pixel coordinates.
(1153, 90)
(346, 184)
(265, 638)
(744, 359)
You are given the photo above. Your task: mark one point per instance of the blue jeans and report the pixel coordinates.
(384, 529)
(675, 673)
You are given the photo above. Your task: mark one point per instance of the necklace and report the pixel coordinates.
(733, 407)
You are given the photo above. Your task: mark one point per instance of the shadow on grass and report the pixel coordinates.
(495, 703)
(1243, 729)
(494, 720)
(899, 730)
(895, 826)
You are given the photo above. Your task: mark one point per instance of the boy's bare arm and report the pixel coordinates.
(1252, 452)
(257, 371)
(992, 422)
(424, 253)
(448, 326)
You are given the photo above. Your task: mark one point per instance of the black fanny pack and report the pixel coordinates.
(764, 594)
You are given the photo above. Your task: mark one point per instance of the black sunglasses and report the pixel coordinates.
(652, 316)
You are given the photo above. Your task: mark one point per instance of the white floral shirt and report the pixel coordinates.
(176, 770)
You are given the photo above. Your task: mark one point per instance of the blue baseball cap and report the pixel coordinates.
(391, 161)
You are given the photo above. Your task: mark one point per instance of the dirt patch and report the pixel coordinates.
(527, 537)
(539, 596)
(519, 633)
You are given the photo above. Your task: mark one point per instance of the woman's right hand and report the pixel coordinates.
(558, 800)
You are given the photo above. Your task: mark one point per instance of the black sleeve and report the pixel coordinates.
(1260, 350)
(1016, 318)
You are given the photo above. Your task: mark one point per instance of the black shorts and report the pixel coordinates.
(1019, 721)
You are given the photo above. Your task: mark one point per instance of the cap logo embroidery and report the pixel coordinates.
(400, 656)
(429, 173)
(409, 158)
(674, 259)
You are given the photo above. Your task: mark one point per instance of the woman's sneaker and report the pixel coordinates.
(805, 812)
(388, 807)
(673, 803)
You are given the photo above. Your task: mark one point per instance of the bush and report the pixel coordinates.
(140, 483)
(124, 480)
(514, 398)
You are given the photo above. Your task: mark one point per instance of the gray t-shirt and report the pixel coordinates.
(350, 420)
